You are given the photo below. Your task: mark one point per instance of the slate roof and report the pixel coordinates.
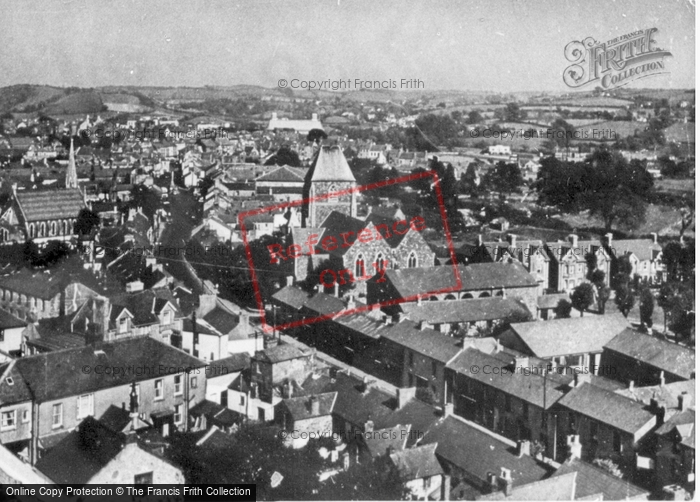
(479, 452)
(363, 323)
(284, 174)
(300, 407)
(521, 251)
(381, 440)
(554, 488)
(144, 306)
(427, 342)
(529, 388)
(607, 407)
(330, 165)
(592, 481)
(55, 375)
(413, 281)
(279, 353)
(324, 304)
(8, 321)
(575, 335)
(472, 310)
(222, 320)
(643, 249)
(682, 422)
(291, 296)
(232, 364)
(50, 204)
(666, 394)
(551, 301)
(669, 357)
(417, 463)
(215, 413)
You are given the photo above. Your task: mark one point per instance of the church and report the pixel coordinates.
(325, 219)
(43, 215)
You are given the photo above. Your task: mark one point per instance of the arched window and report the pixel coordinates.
(433, 299)
(53, 228)
(467, 296)
(381, 263)
(450, 297)
(42, 229)
(31, 231)
(412, 260)
(332, 189)
(485, 294)
(359, 266)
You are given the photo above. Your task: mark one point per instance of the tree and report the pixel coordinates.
(646, 307)
(475, 117)
(667, 297)
(371, 480)
(512, 113)
(284, 156)
(563, 309)
(504, 178)
(316, 135)
(87, 221)
(624, 299)
(603, 297)
(582, 297)
(682, 315)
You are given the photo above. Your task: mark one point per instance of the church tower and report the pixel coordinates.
(71, 172)
(329, 173)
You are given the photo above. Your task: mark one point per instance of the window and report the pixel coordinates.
(86, 406)
(9, 420)
(178, 385)
(178, 414)
(434, 369)
(412, 260)
(144, 479)
(381, 262)
(410, 359)
(193, 382)
(57, 415)
(617, 442)
(261, 414)
(25, 416)
(242, 400)
(594, 430)
(2, 335)
(167, 317)
(159, 388)
(123, 324)
(360, 266)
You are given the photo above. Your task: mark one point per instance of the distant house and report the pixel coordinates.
(568, 264)
(299, 126)
(499, 150)
(284, 183)
(308, 416)
(275, 366)
(594, 483)
(675, 449)
(93, 454)
(11, 329)
(422, 473)
(644, 256)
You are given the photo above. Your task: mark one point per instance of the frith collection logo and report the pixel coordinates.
(616, 62)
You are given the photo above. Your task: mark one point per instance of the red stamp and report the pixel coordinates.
(334, 248)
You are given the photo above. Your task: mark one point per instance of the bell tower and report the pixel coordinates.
(329, 173)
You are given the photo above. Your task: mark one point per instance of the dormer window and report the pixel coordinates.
(167, 317)
(123, 325)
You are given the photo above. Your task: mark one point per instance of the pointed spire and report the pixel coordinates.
(71, 173)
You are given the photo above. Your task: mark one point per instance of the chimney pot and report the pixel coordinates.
(662, 379)
(523, 448)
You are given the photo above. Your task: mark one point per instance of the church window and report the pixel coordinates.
(360, 266)
(381, 263)
(412, 260)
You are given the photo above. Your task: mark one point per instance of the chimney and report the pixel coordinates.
(387, 320)
(314, 116)
(448, 409)
(290, 280)
(512, 238)
(662, 379)
(369, 426)
(336, 289)
(608, 239)
(573, 239)
(499, 347)
(424, 325)
(288, 389)
(655, 237)
(684, 401)
(315, 405)
(134, 407)
(404, 395)
(522, 361)
(523, 448)
(506, 480)
(479, 240)
(631, 386)
(574, 446)
(581, 378)
(351, 302)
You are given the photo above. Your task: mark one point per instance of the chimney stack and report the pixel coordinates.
(404, 395)
(662, 379)
(684, 401)
(512, 239)
(655, 237)
(581, 378)
(573, 239)
(574, 445)
(424, 325)
(506, 480)
(369, 426)
(631, 386)
(523, 448)
(608, 239)
(315, 406)
(480, 240)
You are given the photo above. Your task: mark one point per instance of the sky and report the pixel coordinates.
(494, 45)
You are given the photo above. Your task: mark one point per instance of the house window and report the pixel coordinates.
(242, 400)
(426, 483)
(434, 369)
(261, 414)
(178, 414)
(360, 266)
(57, 415)
(178, 385)
(25, 416)
(412, 260)
(193, 382)
(86, 406)
(144, 479)
(167, 317)
(159, 388)
(123, 325)
(9, 420)
(2, 335)
(381, 262)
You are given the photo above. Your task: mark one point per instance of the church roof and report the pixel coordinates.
(330, 165)
(50, 204)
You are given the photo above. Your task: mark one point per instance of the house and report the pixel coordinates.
(644, 257)
(308, 417)
(675, 449)
(647, 359)
(484, 461)
(499, 150)
(93, 454)
(221, 373)
(11, 329)
(575, 343)
(49, 394)
(153, 312)
(284, 183)
(510, 395)
(480, 280)
(594, 483)
(528, 252)
(603, 424)
(14, 471)
(422, 473)
(275, 366)
(298, 126)
(417, 356)
(568, 265)
(547, 305)
(562, 487)
(209, 413)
